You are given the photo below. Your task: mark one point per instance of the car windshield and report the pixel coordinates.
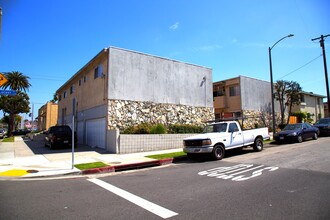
(215, 128)
(323, 121)
(292, 127)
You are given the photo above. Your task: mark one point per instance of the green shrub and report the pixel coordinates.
(182, 129)
(143, 128)
(301, 116)
(158, 129)
(148, 128)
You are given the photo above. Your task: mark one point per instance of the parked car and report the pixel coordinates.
(21, 132)
(323, 125)
(3, 132)
(297, 133)
(58, 136)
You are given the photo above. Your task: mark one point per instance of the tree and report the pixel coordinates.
(14, 105)
(17, 81)
(55, 98)
(18, 103)
(280, 88)
(288, 95)
(293, 96)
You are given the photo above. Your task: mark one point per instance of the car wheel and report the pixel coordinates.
(315, 136)
(258, 145)
(218, 152)
(300, 139)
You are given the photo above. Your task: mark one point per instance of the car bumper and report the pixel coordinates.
(286, 139)
(197, 150)
(324, 132)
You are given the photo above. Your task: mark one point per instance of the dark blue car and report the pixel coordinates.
(297, 133)
(324, 125)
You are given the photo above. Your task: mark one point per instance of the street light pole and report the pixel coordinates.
(271, 81)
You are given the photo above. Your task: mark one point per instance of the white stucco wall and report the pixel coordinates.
(141, 77)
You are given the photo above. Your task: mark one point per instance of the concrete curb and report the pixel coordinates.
(132, 166)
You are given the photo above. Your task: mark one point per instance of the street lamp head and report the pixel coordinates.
(290, 35)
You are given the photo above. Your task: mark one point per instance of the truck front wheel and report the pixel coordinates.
(218, 152)
(258, 145)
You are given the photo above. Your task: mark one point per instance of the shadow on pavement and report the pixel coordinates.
(203, 158)
(37, 146)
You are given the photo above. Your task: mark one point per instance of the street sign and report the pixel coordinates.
(7, 92)
(3, 79)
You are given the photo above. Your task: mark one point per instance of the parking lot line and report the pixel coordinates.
(151, 207)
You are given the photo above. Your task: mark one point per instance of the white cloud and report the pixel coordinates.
(174, 26)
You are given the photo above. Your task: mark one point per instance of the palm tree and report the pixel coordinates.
(17, 81)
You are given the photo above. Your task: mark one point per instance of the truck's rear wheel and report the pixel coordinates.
(258, 145)
(218, 152)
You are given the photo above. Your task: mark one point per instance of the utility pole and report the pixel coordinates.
(0, 22)
(325, 67)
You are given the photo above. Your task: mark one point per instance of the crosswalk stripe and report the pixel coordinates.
(151, 207)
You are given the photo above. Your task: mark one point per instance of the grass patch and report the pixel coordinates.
(166, 156)
(9, 139)
(86, 166)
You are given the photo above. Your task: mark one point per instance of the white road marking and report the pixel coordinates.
(233, 172)
(151, 207)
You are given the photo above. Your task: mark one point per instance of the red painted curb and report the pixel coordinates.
(131, 166)
(108, 169)
(136, 165)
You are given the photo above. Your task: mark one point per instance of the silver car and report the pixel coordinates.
(3, 132)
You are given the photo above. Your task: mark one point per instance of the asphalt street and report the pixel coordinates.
(282, 182)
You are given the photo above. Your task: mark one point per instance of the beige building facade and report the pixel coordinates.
(249, 98)
(47, 116)
(119, 88)
(312, 104)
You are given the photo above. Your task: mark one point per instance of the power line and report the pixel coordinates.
(301, 66)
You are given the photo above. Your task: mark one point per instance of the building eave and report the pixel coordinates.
(105, 50)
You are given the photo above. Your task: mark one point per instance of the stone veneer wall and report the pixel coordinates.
(123, 114)
(253, 119)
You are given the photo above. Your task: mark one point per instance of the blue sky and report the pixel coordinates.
(51, 40)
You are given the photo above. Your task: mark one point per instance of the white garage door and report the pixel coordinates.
(80, 132)
(95, 133)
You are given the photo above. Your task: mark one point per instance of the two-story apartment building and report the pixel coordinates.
(119, 88)
(312, 104)
(251, 98)
(242, 97)
(47, 116)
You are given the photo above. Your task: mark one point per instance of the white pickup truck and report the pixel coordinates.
(221, 136)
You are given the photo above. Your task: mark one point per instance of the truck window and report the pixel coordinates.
(215, 128)
(233, 127)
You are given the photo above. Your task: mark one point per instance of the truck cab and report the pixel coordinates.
(221, 136)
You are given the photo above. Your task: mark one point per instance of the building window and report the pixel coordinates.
(71, 89)
(98, 71)
(64, 94)
(219, 92)
(85, 78)
(79, 82)
(302, 98)
(238, 114)
(234, 91)
(59, 97)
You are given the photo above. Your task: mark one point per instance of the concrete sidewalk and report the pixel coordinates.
(30, 158)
